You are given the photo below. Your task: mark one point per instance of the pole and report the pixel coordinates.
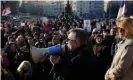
(60, 7)
(109, 11)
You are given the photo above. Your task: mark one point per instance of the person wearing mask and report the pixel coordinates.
(122, 65)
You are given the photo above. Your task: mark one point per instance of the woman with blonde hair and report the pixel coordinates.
(122, 65)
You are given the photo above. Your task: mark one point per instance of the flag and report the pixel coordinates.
(122, 9)
(106, 3)
(6, 11)
(20, 3)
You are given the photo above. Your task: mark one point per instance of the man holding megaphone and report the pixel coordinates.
(71, 61)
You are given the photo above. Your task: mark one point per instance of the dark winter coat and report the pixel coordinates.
(79, 66)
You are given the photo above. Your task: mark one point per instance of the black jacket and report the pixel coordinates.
(80, 65)
(103, 57)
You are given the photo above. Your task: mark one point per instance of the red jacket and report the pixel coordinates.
(47, 27)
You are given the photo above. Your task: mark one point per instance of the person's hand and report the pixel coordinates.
(54, 59)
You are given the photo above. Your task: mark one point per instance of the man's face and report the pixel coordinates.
(72, 44)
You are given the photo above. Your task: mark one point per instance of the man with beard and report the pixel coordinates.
(79, 64)
(75, 61)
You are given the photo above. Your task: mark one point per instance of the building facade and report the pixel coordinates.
(84, 9)
(53, 8)
(88, 9)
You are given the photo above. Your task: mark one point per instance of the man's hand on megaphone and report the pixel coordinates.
(38, 53)
(55, 59)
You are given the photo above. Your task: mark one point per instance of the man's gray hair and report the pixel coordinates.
(79, 35)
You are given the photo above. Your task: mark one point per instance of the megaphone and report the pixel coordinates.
(38, 53)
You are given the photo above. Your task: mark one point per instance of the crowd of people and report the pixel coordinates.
(87, 56)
